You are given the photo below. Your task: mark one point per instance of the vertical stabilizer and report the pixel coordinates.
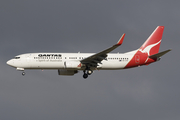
(152, 44)
(150, 47)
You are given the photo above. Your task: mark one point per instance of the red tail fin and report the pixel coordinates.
(152, 44)
(149, 48)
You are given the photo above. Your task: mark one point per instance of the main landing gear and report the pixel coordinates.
(86, 73)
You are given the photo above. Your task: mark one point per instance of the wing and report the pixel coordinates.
(93, 60)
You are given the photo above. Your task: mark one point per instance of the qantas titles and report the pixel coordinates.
(49, 55)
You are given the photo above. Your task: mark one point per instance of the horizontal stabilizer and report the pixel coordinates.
(159, 54)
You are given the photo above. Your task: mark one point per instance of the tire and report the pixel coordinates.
(85, 75)
(23, 73)
(89, 72)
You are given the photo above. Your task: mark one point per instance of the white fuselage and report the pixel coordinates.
(67, 61)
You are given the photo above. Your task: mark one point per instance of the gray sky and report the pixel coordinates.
(144, 93)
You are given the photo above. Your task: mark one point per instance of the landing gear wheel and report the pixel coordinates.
(23, 73)
(85, 75)
(89, 72)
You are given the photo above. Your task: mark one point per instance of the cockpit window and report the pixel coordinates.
(17, 57)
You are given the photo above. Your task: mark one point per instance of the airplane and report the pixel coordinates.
(71, 63)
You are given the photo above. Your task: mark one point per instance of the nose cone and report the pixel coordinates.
(10, 63)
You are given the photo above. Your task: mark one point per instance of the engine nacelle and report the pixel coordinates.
(67, 72)
(72, 64)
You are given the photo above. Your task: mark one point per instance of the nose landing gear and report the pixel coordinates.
(23, 73)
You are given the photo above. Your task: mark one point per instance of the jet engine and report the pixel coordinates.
(67, 72)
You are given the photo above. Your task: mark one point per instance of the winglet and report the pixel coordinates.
(121, 39)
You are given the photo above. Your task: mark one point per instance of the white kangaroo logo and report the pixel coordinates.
(148, 48)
